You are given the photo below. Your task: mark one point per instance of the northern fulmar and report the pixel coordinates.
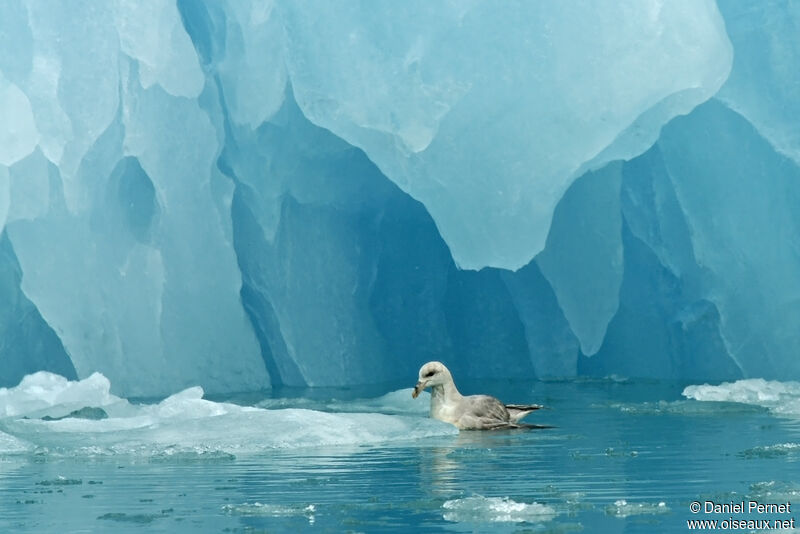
(471, 412)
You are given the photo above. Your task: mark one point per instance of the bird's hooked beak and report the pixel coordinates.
(418, 389)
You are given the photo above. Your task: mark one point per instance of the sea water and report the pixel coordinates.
(622, 456)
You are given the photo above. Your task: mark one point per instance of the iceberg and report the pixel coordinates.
(242, 195)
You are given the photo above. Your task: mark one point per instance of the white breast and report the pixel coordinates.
(440, 409)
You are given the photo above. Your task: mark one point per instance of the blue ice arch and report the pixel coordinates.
(244, 194)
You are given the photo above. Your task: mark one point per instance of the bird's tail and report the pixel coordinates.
(517, 426)
(518, 411)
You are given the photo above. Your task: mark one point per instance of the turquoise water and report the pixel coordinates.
(625, 456)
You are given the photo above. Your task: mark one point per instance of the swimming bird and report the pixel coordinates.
(471, 412)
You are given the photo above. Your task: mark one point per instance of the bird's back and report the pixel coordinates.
(480, 412)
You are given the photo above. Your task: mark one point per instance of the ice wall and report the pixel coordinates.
(764, 81)
(263, 193)
(118, 217)
(548, 86)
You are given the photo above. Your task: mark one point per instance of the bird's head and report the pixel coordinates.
(431, 374)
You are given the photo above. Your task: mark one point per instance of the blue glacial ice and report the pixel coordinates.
(544, 85)
(253, 194)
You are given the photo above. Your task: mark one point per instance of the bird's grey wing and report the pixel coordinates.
(482, 412)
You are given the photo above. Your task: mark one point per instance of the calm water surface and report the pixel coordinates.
(624, 457)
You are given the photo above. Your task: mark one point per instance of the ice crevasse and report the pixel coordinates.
(249, 194)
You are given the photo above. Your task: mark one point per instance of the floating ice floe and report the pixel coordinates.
(623, 508)
(480, 509)
(270, 510)
(779, 397)
(41, 414)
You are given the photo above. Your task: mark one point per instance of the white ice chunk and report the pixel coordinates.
(45, 390)
(185, 423)
(479, 509)
(623, 508)
(258, 509)
(780, 397)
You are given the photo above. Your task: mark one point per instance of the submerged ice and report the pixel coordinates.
(263, 193)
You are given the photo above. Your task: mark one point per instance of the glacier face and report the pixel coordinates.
(263, 193)
(547, 86)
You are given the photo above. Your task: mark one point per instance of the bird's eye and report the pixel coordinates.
(429, 374)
